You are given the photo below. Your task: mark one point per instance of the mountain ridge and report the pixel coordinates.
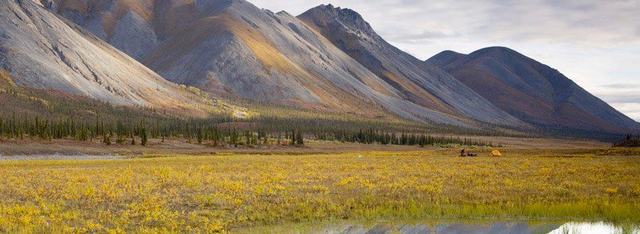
(41, 50)
(350, 32)
(531, 90)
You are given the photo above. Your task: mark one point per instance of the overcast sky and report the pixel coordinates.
(596, 43)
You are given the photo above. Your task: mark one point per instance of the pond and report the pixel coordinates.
(432, 227)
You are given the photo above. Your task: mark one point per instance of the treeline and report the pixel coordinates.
(213, 132)
(204, 131)
(277, 117)
(47, 115)
(629, 141)
(373, 136)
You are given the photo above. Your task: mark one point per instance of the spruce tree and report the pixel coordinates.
(299, 139)
(143, 136)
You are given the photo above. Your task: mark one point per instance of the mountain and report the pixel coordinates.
(532, 91)
(327, 59)
(232, 49)
(237, 50)
(41, 50)
(421, 83)
(444, 58)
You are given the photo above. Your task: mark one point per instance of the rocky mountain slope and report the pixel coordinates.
(41, 50)
(421, 83)
(230, 48)
(532, 91)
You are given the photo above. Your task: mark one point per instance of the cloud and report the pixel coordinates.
(622, 97)
(589, 23)
(621, 86)
(627, 102)
(418, 38)
(630, 109)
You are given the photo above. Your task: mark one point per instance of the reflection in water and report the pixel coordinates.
(452, 228)
(605, 228)
(458, 228)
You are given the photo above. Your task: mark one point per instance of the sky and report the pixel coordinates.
(596, 43)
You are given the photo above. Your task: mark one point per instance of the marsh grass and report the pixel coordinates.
(223, 192)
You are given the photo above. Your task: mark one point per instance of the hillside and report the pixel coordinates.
(41, 50)
(232, 49)
(423, 84)
(532, 91)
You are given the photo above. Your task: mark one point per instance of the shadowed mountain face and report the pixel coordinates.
(42, 51)
(230, 48)
(421, 83)
(532, 91)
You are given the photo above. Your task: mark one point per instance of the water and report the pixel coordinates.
(451, 228)
(579, 228)
(59, 157)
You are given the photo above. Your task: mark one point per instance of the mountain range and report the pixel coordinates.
(149, 52)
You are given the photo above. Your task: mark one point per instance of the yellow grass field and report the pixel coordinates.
(225, 192)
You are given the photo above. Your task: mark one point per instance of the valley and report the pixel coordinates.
(217, 116)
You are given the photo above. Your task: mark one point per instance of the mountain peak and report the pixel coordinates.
(329, 14)
(445, 57)
(284, 13)
(346, 12)
(497, 52)
(498, 48)
(450, 52)
(504, 55)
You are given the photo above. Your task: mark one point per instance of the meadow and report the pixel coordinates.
(230, 191)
